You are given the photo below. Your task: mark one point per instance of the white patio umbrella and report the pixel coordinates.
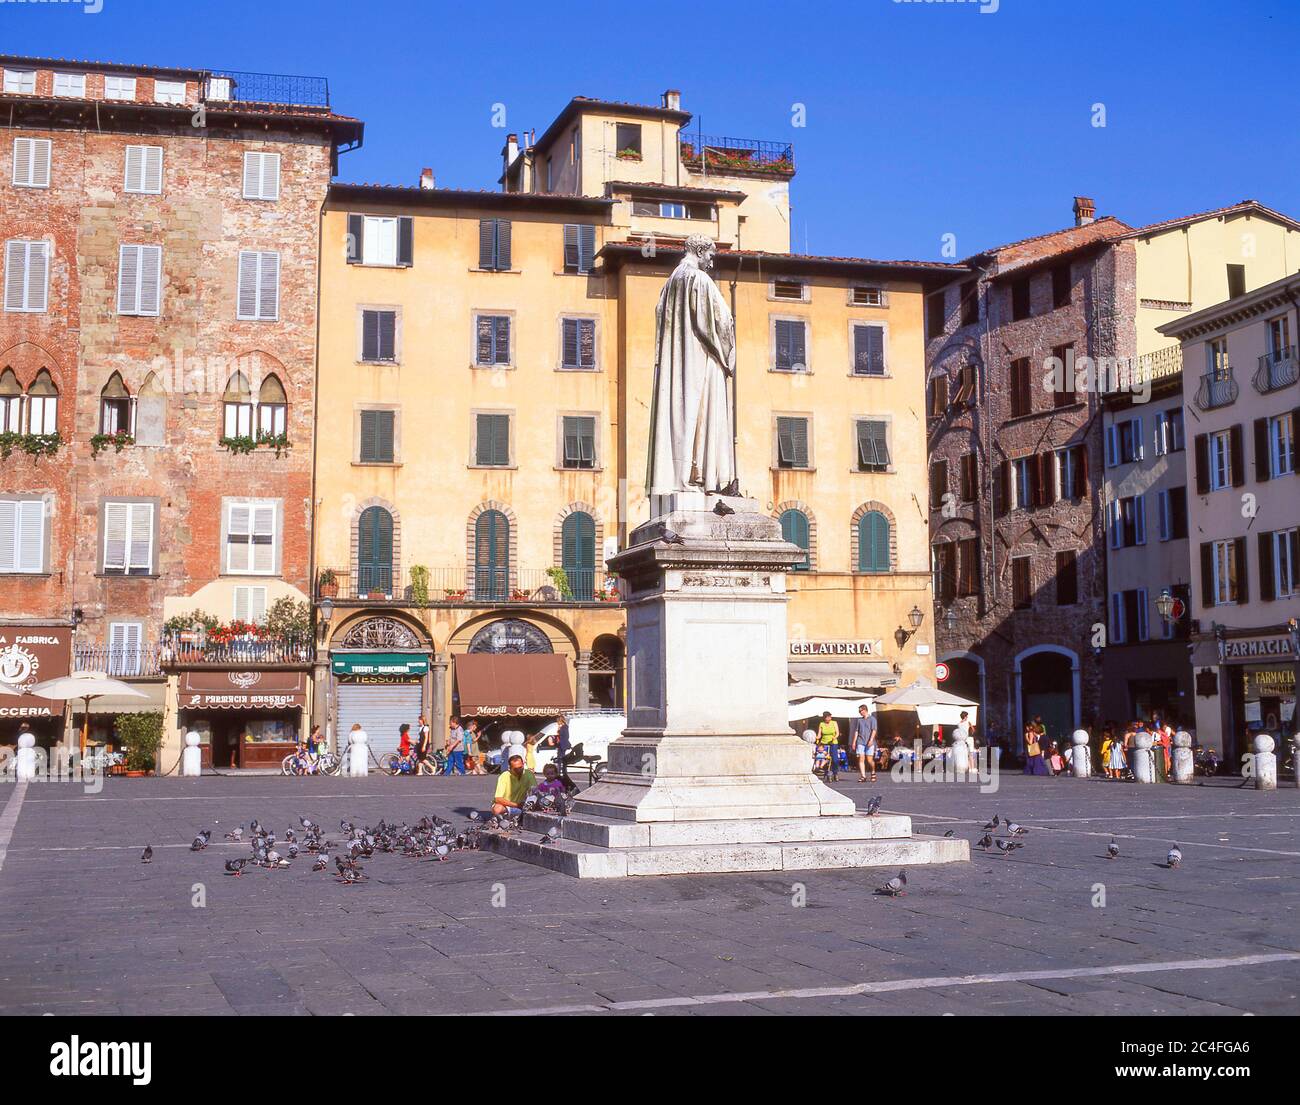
(810, 700)
(84, 685)
(932, 706)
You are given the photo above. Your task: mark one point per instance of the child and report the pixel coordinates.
(404, 745)
(551, 782)
(1106, 741)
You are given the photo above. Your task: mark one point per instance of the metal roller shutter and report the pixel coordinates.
(381, 709)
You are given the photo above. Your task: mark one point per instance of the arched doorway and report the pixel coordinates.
(1048, 682)
(966, 679)
(375, 551)
(605, 678)
(380, 668)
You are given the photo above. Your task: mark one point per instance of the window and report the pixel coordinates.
(1020, 299)
(27, 269)
(11, 403)
(494, 245)
(968, 567)
(792, 442)
(969, 480)
(1128, 522)
(863, 296)
(966, 379)
(627, 139)
(1279, 564)
(970, 303)
(375, 551)
(579, 247)
(1216, 356)
(873, 446)
(42, 405)
(944, 563)
(1072, 472)
(379, 336)
(1124, 442)
(491, 556)
(1172, 504)
(250, 537)
(1280, 434)
(70, 84)
(795, 529)
(32, 162)
(938, 395)
(1067, 577)
(938, 483)
(237, 404)
(578, 343)
(788, 289)
(259, 285)
(139, 280)
(250, 605)
(143, 171)
(272, 408)
(21, 81)
(579, 445)
(868, 349)
(492, 340)
(119, 88)
(128, 538)
(671, 210)
(1222, 473)
(125, 641)
(1064, 394)
(1279, 337)
(1223, 572)
(261, 175)
(1169, 432)
(874, 543)
(1022, 582)
(1029, 482)
(1022, 392)
(1236, 281)
(578, 554)
(169, 92)
(1128, 616)
(935, 315)
(115, 408)
(385, 241)
(789, 345)
(492, 440)
(377, 439)
(22, 535)
(1061, 286)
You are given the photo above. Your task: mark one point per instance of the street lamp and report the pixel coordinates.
(1165, 605)
(324, 612)
(915, 618)
(950, 619)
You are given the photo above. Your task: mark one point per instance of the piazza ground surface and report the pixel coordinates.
(88, 929)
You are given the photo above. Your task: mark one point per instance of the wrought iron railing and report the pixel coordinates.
(1152, 366)
(137, 661)
(713, 152)
(1217, 388)
(435, 586)
(266, 88)
(191, 648)
(1277, 369)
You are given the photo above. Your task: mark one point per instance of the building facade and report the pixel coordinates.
(1240, 379)
(161, 235)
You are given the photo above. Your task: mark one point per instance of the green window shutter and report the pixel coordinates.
(501, 327)
(579, 441)
(493, 445)
(356, 234)
(491, 555)
(868, 350)
(570, 326)
(502, 244)
(377, 436)
(487, 244)
(873, 446)
(578, 546)
(873, 542)
(370, 335)
(572, 255)
(790, 346)
(792, 442)
(405, 240)
(375, 551)
(485, 343)
(586, 248)
(794, 528)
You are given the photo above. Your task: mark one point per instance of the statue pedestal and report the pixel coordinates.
(708, 775)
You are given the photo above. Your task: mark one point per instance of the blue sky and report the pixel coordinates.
(922, 119)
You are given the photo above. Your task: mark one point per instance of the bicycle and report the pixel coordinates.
(394, 763)
(300, 762)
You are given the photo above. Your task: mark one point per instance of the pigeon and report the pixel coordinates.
(894, 887)
(322, 862)
(236, 834)
(721, 509)
(1006, 847)
(235, 867)
(147, 855)
(551, 835)
(201, 841)
(1112, 849)
(986, 841)
(873, 804)
(671, 538)
(1175, 858)
(1016, 830)
(290, 835)
(990, 826)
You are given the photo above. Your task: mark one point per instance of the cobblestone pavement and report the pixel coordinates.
(89, 929)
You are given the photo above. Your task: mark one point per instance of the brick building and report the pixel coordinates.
(161, 231)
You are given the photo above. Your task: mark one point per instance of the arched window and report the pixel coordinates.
(238, 401)
(375, 551)
(115, 408)
(578, 543)
(491, 556)
(42, 405)
(873, 542)
(11, 403)
(794, 528)
(272, 408)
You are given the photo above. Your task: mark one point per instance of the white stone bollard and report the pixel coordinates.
(1265, 763)
(1183, 766)
(25, 767)
(358, 753)
(1144, 766)
(192, 757)
(1081, 756)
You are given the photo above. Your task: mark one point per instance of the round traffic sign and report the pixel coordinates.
(941, 672)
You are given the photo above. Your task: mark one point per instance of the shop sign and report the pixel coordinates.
(836, 648)
(29, 655)
(1257, 648)
(242, 690)
(400, 664)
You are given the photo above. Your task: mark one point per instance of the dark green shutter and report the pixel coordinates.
(572, 253)
(1243, 576)
(578, 545)
(1266, 592)
(370, 335)
(405, 240)
(790, 347)
(487, 243)
(873, 542)
(493, 446)
(491, 555)
(375, 551)
(356, 235)
(377, 436)
(869, 350)
(792, 442)
(794, 528)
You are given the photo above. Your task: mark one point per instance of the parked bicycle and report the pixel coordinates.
(300, 763)
(394, 763)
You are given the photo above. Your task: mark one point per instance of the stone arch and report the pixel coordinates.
(354, 541)
(393, 629)
(562, 636)
(862, 511)
(512, 544)
(28, 359)
(807, 512)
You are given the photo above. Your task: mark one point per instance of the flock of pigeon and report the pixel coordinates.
(432, 837)
(897, 886)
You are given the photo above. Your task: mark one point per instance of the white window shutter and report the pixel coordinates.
(116, 520)
(23, 160)
(241, 604)
(134, 177)
(41, 163)
(153, 162)
(150, 279)
(248, 271)
(141, 551)
(263, 548)
(38, 266)
(238, 550)
(252, 176)
(128, 280)
(15, 276)
(270, 176)
(268, 305)
(8, 535)
(31, 539)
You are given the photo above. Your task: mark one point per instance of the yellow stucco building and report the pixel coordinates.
(483, 413)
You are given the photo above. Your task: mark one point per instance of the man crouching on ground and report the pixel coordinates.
(513, 787)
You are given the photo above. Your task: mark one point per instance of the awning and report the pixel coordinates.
(512, 684)
(854, 676)
(156, 702)
(243, 690)
(379, 663)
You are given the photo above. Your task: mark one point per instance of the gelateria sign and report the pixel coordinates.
(32, 654)
(836, 648)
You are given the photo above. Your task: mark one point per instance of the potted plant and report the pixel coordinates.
(455, 594)
(140, 734)
(560, 578)
(327, 584)
(119, 441)
(419, 584)
(519, 595)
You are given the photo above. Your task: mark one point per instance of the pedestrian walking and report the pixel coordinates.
(455, 748)
(1035, 764)
(423, 748)
(865, 741)
(828, 736)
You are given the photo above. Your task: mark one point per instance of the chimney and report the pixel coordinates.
(1085, 211)
(426, 178)
(672, 99)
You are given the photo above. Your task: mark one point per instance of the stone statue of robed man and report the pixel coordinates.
(691, 441)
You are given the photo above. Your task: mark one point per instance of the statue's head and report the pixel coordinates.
(702, 248)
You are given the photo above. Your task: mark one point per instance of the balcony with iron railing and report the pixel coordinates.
(1278, 369)
(481, 586)
(1217, 388)
(282, 89)
(130, 662)
(221, 649)
(1151, 367)
(711, 153)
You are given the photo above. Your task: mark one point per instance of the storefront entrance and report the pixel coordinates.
(244, 719)
(381, 692)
